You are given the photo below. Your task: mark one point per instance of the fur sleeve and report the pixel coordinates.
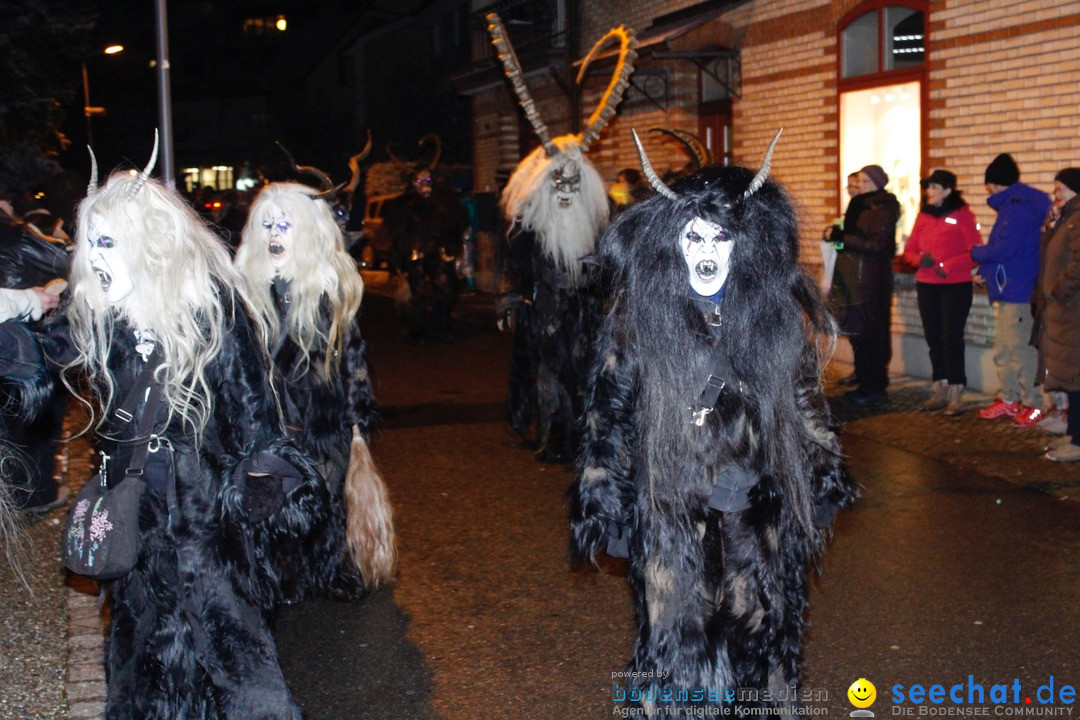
(833, 488)
(245, 413)
(359, 398)
(603, 494)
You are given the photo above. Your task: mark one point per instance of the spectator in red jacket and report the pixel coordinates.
(940, 246)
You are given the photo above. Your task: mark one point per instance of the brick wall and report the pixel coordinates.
(1002, 77)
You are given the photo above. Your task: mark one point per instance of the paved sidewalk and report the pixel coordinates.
(972, 445)
(51, 666)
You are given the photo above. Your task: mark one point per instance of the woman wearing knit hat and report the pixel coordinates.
(867, 244)
(940, 247)
(1058, 293)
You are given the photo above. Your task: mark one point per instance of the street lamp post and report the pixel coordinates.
(89, 110)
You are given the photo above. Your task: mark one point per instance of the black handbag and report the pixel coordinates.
(101, 538)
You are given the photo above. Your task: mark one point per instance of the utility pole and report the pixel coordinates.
(168, 167)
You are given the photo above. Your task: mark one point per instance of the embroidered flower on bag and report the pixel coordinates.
(99, 526)
(79, 512)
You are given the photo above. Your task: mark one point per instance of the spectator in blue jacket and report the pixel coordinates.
(1009, 264)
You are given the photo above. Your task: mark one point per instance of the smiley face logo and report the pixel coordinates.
(862, 693)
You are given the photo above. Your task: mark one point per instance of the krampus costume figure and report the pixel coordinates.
(556, 206)
(307, 290)
(154, 303)
(426, 226)
(345, 202)
(708, 455)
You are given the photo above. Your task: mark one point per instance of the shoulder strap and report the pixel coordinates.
(144, 391)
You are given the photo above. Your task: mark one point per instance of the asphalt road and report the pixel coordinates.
(935, 575)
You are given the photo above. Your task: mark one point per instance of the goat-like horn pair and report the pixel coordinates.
(620, 80)
(132, 190)
(662, 189)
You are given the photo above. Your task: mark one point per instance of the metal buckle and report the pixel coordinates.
(156, 442)
(713, 316)
(124, 415)
(699, 415)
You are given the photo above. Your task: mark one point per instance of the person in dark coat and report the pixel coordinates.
(866, 246)
(1059, 299)
(153, 291)
(306, 288)
(30, 262)
(709, 458)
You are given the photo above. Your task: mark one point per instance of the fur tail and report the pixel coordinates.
(369, 525)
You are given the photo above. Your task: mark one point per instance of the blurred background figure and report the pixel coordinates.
(866, 246)
(1059, 299)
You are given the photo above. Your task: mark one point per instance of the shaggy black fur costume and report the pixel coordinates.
(425, 235)
(319, 413)
(554, 323)
(189, 636)
(719, 571)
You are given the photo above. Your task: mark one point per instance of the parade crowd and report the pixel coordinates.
(668, 346)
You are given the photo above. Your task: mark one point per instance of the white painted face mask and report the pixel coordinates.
(107, 262)
(707, 252)
(279, 238)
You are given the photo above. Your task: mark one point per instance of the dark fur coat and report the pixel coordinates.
(720, 587)
(319, 413)
(189, 636)
(554, 324)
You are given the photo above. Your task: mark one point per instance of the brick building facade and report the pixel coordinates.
(991, 76)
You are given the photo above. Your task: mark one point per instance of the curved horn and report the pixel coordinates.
(693, 144)
(513, 71)
(135, 187)
(394, 158)
(438, 149)
(354, 165)
(328, 194)
(650, 174)
(92, 187)
(325, 183)
(620, 79)
(763, 173)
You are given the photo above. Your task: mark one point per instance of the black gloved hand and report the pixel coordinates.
(927, 261)
(266, 478)
(940, 272)
(263, 496)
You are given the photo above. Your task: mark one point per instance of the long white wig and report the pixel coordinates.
(180, 270)
(319, 268)
(566, 234)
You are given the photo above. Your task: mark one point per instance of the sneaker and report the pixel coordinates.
(1000, 409)
(939, 397)
(62, 495)
(1028, 417)
(1056, 443)
(1054, 422)
(956, 400)
(1065, 453)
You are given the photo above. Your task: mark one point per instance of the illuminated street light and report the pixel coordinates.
(92, 111)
